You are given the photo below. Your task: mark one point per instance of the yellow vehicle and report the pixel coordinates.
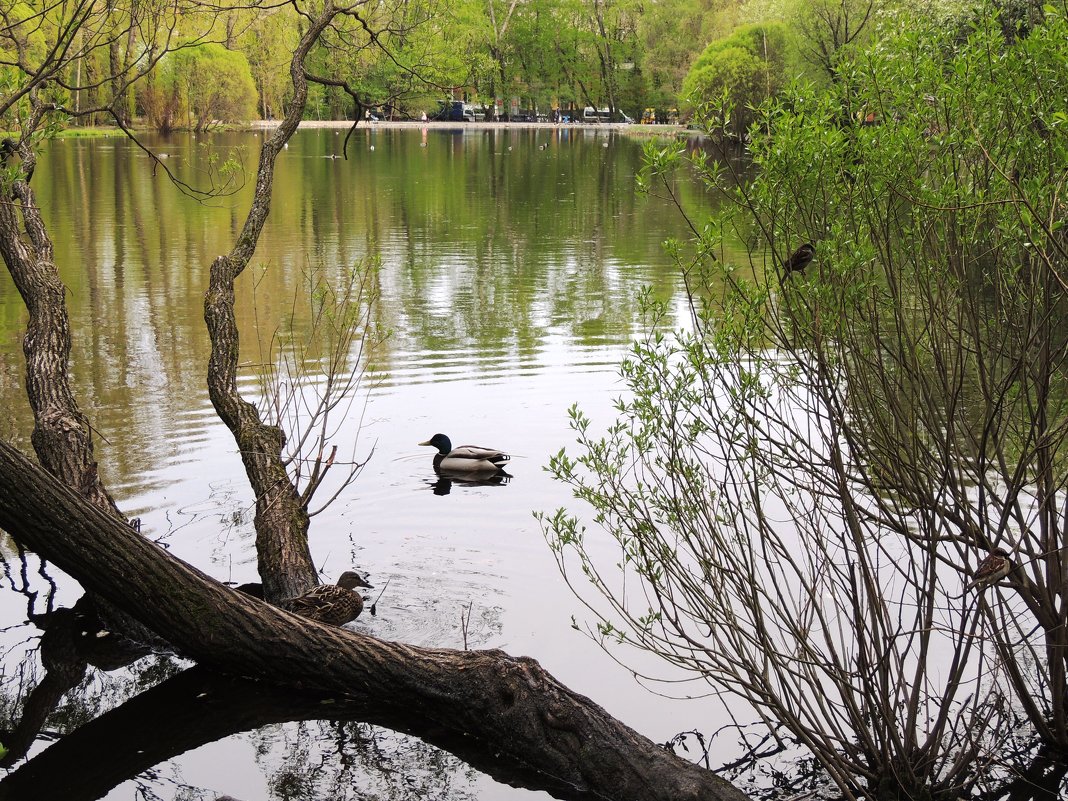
(663, 116)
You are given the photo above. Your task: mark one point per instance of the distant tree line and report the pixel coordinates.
(541, 55)
(224, 64)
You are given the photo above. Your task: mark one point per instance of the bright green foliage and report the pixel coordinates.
(565, 53)
(24, 36)
(200, 86)
(25, 39)
(769, 41)
(829, 29)
(216, 84)
(671, 37)
(572, 44)
(421, 47)
(801, 485)
(268, 42)
(826, 30)
(536, 53)
(733, 73)
(744, 69)
(560, 53)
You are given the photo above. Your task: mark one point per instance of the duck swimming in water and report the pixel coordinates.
(467, 459)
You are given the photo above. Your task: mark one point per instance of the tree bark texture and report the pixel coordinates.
(201, 706)
(62, 437)
(285, 562)
(508, 702)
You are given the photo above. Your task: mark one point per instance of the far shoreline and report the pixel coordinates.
(624, 128)
(619, 127)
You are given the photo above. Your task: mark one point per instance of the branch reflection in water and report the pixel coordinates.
(197, 707)
(88, 757)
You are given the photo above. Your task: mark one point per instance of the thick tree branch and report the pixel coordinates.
(61, 436)
(507, 701)
(201, 707)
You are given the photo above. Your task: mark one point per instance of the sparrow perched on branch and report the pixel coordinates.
(992, 569)
(799, 259)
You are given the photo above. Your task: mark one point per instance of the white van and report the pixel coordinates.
(591, 114)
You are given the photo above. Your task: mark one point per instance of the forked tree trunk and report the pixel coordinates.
(508, 702)
(62, 438)
(284, 558)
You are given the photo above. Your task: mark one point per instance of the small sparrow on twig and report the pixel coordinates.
(992, 569)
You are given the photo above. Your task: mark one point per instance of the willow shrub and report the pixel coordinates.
(800, 483)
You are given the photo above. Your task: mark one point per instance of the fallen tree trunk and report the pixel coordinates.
(509, 702)
(201, 706)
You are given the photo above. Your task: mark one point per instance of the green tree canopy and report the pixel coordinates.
(752, 64)
(670, 33)
(201, 85)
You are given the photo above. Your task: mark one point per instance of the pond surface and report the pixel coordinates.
(508, 269)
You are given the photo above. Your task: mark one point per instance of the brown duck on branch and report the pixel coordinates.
(335, 604)
(799, 259)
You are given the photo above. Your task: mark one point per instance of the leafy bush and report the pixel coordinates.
(742, 70)
(206, 84)
(801, 483)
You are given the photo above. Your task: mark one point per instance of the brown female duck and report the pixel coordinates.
(335, 604)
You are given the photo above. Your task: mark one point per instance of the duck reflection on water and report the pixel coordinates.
(444, 483)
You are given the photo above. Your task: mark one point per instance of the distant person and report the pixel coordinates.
(423, 117)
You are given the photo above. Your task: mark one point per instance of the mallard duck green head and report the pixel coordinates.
(439, 441)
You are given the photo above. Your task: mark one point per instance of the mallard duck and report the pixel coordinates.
(335, 604)
(466, 459)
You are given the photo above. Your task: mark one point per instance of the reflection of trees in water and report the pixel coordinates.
(51, 692)
(302, 755)
(538, 240)
(106, 726)
(341, 760)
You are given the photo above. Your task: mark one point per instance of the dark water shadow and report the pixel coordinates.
(444, 483)
(199, 706)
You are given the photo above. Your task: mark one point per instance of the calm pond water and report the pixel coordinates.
(510, 263)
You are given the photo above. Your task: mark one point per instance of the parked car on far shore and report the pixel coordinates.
(458, 111)
(591, 114)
